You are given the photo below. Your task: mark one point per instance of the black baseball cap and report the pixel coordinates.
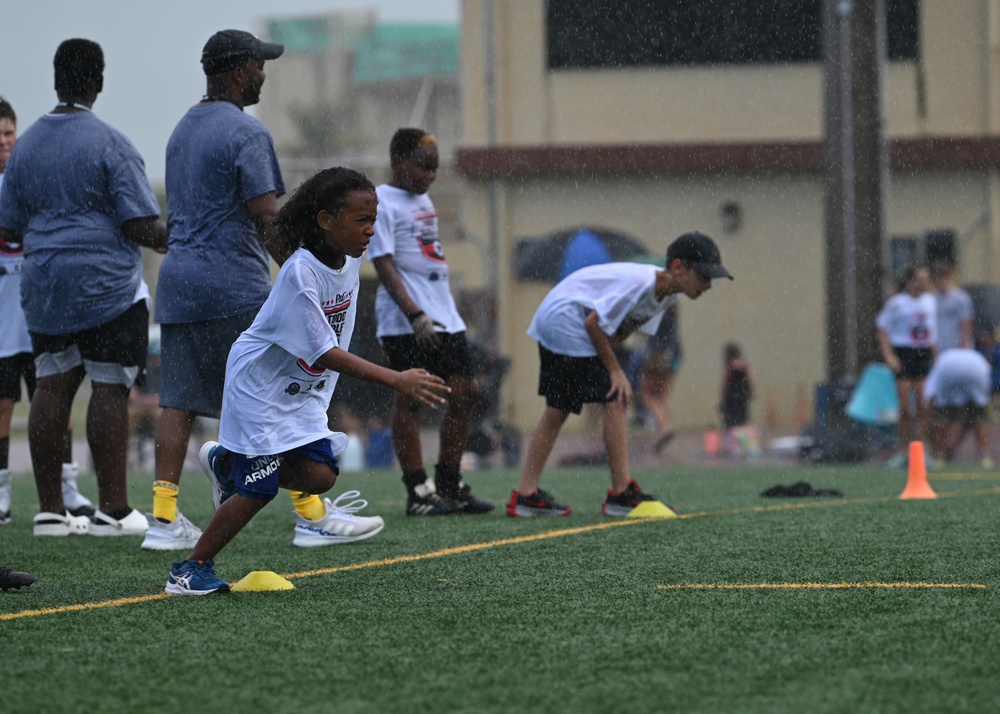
(227, 49)
(700, 252)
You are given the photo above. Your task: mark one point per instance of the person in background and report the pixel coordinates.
(734, 402)
(17, 364)
(419, 326)
(954, 309)
(577, 326)
(75, 191)
(907, 335)
(658, 370)
(223, 184)
(957, 393)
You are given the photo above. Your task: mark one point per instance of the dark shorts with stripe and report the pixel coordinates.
(567, 383)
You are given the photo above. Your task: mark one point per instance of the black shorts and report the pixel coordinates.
(450, 358)
(111, 353)
(915, 362)
(13, 369)
(968, 415)
(567, 383)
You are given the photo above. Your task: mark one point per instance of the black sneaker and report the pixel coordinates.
(468, 503)
(624, 502)
(423, 500)
(12, 579)
(539, 503)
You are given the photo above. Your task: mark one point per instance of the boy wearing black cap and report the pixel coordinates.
(577, 326)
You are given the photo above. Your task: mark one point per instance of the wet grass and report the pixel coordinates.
(488, 614)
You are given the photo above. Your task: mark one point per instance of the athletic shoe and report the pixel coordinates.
(195, 577)
(210, 457)
(624, 502)
(986, 463)
(134, 524)
(182, 534)
(4, 497)
(423, 500)
(58, 525)
(13, 579)
(468, 503)
(76, 503)
(540, 503)
(339, 525)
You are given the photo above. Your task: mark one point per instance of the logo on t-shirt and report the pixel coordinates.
(336, 311)
(427, 236)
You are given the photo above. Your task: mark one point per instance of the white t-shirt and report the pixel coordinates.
(14, 338)
(276, 397)
(909, 321)
(407, 229)
(616, 291)
(954, 308)
(959, 377)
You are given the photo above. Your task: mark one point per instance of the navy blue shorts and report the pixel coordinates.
(193, 362)
(257, 476)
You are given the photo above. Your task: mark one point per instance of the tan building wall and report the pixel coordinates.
(775, 307)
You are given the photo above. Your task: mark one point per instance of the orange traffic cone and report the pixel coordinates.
(916, 482)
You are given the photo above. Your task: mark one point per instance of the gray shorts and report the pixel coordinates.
(193, 362)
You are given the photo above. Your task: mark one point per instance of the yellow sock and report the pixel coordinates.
(308, 505)
(165, 501)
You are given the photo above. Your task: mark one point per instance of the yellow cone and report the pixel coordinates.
(260, 580)
(651, 509)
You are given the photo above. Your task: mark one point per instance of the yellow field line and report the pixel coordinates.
(814, 586)
(85, 606)
(472, 547)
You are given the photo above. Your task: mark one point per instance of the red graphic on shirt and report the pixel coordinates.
(427, 236)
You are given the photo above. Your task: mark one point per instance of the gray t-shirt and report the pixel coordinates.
(71, 182)
(953, 308)
(218, 158)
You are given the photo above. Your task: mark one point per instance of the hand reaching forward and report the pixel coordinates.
(423, 386)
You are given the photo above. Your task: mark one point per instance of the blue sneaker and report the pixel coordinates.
(210, 457)
(195, 577)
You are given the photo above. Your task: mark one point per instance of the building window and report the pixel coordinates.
(592, 34)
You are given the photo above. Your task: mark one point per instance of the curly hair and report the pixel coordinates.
(328, 190)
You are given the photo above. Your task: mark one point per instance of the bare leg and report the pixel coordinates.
(543, 438)
(107, 435)
(455, 424)
(173, 432)
(905, 428)
(47, 420)
(230, 519)
(616, 444)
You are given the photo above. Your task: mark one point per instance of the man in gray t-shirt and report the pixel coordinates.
(954, 310)
(76, 193)
(223, 184)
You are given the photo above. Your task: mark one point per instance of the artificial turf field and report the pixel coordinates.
(744, 604)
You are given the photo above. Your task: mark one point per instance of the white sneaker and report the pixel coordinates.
(54, 524)
(132, 524)
(339, 525)
(4, 497)
(76, 503)
(182, 534)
